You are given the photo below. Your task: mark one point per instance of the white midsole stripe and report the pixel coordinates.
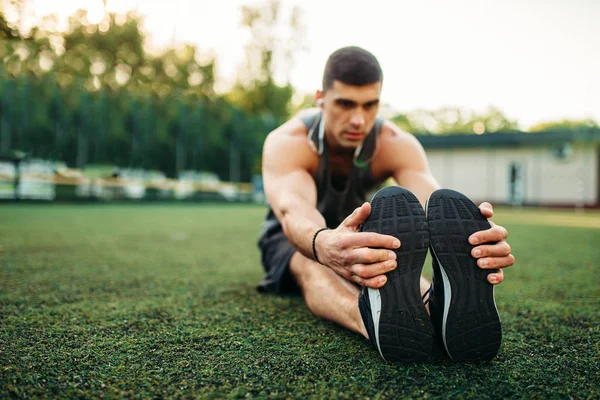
(375, 302)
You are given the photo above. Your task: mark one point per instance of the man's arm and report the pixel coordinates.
(289, 187)
(410, 169)
(360, 257)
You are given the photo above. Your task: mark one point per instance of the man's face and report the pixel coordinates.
(349, 112)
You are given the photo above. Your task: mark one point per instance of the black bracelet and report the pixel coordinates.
(314, 241)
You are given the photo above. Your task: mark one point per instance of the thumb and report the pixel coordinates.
(357, 217)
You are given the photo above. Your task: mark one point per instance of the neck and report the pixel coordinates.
(337, 150)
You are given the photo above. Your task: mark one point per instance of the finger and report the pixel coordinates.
(372, 270)
(496, 262)
(365, 255)
(372, 239)
(358, 216)
(501, 249)
(496, 277)
(375, 282)
(496, 233)
(486, 209)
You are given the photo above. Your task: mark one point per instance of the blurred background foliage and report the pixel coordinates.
(98, 94)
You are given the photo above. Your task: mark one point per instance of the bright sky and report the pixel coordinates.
(536, 60)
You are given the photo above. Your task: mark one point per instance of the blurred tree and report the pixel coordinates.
(454, 120)
(256, 90)
(302, 101)
(111, 54)
(24, 51)
(403, 122)
(9, 30)
(565, 125)
(494, 120)
(265, 102)
(96, 93)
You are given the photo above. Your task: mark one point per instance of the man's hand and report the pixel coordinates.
(360, 257)
(493, 252)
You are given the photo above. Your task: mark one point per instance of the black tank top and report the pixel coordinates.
(335, 204)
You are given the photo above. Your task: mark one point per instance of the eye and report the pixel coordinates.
(370, 105)
(347, 104)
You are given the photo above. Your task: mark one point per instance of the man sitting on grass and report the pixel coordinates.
(358, 263)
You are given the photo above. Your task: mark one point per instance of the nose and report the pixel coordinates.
(358, 119)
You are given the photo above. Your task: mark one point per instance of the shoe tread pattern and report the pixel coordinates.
(405, 332)
(473, 329)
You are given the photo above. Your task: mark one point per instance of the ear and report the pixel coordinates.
(319, 98)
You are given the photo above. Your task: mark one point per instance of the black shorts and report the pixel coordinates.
(276, 252)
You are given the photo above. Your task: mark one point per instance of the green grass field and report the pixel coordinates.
(159, 301)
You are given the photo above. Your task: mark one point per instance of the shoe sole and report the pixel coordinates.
(402, 326)
(471, 328)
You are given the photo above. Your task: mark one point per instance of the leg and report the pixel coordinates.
(425, 285)
(328, 295)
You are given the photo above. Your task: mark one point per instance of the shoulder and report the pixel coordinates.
(289, 145)
(398, 150)
(292, 131)
(391, 135)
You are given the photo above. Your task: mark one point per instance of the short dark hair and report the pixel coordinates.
(353, 66)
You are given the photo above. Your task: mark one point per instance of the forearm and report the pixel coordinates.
(300, 220)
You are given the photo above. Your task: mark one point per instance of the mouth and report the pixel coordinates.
(353, 135)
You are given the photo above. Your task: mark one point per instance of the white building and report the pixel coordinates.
(543, 169)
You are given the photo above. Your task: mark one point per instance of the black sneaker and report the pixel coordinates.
(395, 316)
(462, 306)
